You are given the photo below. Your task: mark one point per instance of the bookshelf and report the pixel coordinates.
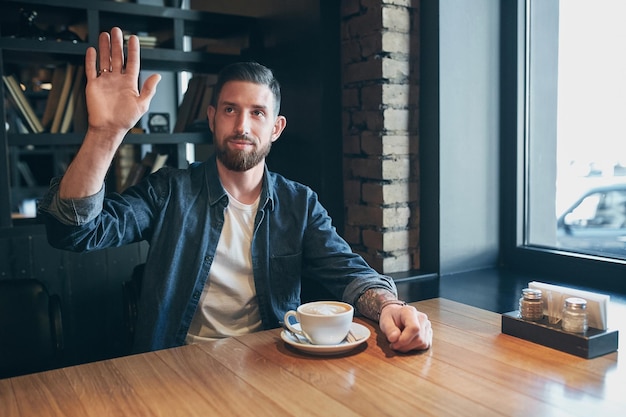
(35, 50)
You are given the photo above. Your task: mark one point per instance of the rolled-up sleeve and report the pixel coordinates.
(73, 211)
(358, 286)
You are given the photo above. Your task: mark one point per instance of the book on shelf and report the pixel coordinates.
(15, 120)
(185, 105)
(27, 174)
(80, 121)
(150, 163)
(201, 114)
(58, 77)
(123, 163)
(138, 170)
(21, 102)
(159, 162)
(194, 99)
(145, 41)
(64, 97)
(77, 90)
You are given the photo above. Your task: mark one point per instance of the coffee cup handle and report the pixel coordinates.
(300, 332)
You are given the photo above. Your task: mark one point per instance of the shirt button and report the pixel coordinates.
(196, 295)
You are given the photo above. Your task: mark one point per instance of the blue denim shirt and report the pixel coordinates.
(180, 212)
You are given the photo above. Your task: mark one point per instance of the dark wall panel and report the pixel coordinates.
(89, 285)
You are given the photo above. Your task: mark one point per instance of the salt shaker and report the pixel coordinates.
(574, 318)
(531, 305)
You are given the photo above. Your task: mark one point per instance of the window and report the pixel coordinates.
(595, 223)
(564, 186)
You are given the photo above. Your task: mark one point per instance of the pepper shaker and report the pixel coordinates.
(531, 305)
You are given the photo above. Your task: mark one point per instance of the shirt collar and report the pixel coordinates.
(217, 191)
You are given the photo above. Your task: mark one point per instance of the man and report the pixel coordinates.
(230, 241)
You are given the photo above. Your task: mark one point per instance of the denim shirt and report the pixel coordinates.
(180, 212)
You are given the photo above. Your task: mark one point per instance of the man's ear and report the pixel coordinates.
(210, 114)
(279, 126)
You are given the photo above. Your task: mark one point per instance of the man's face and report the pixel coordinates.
(243, 124)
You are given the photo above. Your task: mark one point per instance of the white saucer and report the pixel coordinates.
(361, 333)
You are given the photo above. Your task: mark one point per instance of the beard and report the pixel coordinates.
(238, 160)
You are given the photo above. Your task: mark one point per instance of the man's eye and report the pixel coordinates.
(259, 113)
(229, 110)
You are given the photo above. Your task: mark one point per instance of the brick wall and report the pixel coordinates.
(380, 66)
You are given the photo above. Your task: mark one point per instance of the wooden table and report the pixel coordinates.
(472, 369)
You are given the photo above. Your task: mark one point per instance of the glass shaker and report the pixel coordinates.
(531, 305)
(574, 318)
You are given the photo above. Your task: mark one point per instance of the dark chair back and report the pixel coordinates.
(130, 292)
(31, 327)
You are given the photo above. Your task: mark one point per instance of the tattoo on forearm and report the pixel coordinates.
(369, 302)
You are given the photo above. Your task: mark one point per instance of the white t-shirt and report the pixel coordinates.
(228, 305)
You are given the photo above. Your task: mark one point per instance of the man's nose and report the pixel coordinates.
(242, 126)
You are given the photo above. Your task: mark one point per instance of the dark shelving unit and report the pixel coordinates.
(21, 53)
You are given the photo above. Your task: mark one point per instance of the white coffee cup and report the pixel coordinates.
(322, 322)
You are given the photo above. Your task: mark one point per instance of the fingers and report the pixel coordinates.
(132, 60)
(407, 330)
(117, 50)
(422, 340)
(408, 342)
(111, 52)
(113, 79)
(91, 71)
(104, 49)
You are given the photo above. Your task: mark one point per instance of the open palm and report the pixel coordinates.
(114, 100)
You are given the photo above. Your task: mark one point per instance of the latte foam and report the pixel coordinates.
(325, 309)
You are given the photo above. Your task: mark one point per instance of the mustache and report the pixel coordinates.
(243, 137)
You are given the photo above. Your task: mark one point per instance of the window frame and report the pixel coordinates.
(578, 269)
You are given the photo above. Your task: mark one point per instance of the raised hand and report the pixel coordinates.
(114, 102)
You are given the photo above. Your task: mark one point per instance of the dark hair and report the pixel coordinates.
(247, 71)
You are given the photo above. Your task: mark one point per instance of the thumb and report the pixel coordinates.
(389, 328)
(149, 87)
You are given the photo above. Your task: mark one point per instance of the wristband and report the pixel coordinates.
(390, 302)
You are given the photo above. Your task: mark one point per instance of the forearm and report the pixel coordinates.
(114, 105)
(371, 302)
(86, 173)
